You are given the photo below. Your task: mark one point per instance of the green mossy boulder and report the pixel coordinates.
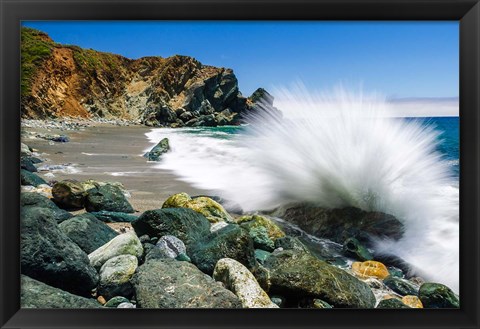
(109, 198)
(436, 295)
(29, 178)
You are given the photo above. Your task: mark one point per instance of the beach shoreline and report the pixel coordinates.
(110, 153)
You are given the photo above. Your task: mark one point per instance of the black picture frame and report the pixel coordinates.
(467, 12)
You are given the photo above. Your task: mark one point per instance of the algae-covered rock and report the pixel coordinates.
(124, 244)
(162, 147)
(169, 283)
(400, 286)
(253, 221)
(115, 276)
(206, 206)
(229, 242)
(186, 224)
(107, 197)
(48, 255)
(36, 294)
(238, 279)
(87, 232)
(29, 178)
(28, 199)
(353, 248)
(437, 295)
(261, 239)
(69, 194)
(391, 303)
(295, 274)
(114, 216)
(115, 301)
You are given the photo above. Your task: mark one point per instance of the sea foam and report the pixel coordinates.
(334, 150)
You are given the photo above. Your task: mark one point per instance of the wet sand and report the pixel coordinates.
(112, 153)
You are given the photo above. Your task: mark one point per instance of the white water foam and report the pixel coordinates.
(342, 149)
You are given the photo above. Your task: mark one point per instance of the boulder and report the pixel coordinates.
(253, 221)
(25, 150)
(29, 178)
(238, 279)
(115, 301)
(159, 149)
(261, 239)
(186, 224)
(69, 194)
(172, 284)
(229, 242)
(113, 216)
(48, 255)
(107, 197)
(437, 295)
(123, 244)
(209, 208)
(87, 232)
(27, 164)
(171, 246)
(369, 269)
(353, 248)
(400, 286)
(290, 243)
(115, 276)
(38, 200)
(340, 224)
(412, 301)
(36, 294)
(261, 255)
(391, 303)
(296, 274)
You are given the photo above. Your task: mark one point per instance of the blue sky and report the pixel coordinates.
(397, 59)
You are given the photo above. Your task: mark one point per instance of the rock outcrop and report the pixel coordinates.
(65, 80)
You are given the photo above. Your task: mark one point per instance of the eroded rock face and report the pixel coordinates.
(152, 90)
(169, 283)
(48, 255)
(296, 274)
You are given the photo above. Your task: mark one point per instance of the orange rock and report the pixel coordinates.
(101, 300)
(370, 268)
(412, 301)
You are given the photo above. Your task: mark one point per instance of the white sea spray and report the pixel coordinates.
(334, 150)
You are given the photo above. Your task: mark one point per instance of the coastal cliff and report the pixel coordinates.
(68, 81)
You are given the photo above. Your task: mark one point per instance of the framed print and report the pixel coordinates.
(240, 164)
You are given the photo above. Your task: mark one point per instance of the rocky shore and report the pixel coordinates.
(83, 245)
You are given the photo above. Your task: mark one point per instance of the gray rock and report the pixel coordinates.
(36, 294)
(87, 232)
(171, 246)
(48, 255)
(173, 284)
(123, 244)
(126, 305)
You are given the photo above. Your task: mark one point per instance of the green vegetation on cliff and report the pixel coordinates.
(36, 46)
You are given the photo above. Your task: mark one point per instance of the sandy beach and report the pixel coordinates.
(110, 153)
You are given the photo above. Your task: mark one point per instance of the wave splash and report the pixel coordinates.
(336, 150)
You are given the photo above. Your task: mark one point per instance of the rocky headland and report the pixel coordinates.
(61, 81)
